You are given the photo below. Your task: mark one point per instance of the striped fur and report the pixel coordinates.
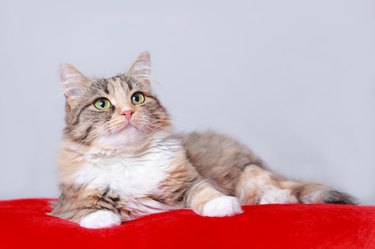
(114, 168)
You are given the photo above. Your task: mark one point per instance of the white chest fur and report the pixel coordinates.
(129, 175)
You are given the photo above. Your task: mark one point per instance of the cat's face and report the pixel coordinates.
(115, 112)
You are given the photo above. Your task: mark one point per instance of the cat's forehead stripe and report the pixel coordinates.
(104, 85)
(98, 87)
(119, 92)
(124, 81)
(130, 85)
(115, 84)
(110, 87)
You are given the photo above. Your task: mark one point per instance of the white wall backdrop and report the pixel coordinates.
(295, 80)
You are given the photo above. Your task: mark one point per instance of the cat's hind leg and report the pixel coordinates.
(258, 185)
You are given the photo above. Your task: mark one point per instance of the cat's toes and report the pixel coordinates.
(279, 196)
(100, 219)
(222, 206)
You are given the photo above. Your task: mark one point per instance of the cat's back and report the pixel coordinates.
(218, 157)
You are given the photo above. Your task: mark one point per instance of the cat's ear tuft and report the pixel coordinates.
(72, 81)
(141, 68)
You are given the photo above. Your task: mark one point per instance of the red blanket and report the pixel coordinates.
(25, 224)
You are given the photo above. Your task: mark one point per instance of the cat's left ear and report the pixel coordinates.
(141, 68)
(73, 83)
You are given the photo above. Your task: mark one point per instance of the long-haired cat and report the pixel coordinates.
(120, 158)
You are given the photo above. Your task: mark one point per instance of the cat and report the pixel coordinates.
(120, 158)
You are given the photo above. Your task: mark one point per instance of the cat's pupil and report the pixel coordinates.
(136, 98)
(102, 103)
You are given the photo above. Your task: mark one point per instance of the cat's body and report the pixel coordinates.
(120, 159)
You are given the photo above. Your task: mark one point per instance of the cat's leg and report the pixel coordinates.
(258, 185)
(89, 208)
(205, 200)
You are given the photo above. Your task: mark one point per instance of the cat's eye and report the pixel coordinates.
(138, 98)
(102, 104)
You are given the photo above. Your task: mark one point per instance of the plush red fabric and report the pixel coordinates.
(25, 224)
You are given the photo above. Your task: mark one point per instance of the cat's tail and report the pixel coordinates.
(317, 193)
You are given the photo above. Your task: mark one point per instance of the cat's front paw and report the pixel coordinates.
(222, 206)
(100, 219)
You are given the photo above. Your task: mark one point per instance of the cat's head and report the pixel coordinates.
(115, 112)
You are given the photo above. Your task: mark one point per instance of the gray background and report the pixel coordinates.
(294, 80)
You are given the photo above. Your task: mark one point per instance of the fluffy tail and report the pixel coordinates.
(317, 193)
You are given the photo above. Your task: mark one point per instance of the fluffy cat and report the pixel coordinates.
(120, 159)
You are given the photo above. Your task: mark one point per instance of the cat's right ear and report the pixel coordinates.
(141, 68)
(73, 83)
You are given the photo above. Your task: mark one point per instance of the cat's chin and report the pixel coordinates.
(127, 139)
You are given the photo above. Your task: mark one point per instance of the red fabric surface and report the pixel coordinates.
(25, 224)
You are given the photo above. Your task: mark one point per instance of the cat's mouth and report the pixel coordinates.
(125, 127)
(124, 135)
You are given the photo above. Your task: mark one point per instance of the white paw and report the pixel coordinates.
(280, 196)
(100, 219)
(222, 206)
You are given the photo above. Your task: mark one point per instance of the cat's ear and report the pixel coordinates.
(141, 68)
(73, 83)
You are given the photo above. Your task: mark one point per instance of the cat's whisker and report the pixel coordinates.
(155, 129)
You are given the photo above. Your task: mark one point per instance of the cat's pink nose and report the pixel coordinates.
(128, 114)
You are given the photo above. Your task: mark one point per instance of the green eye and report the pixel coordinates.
(138, 98)
(102, 104)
